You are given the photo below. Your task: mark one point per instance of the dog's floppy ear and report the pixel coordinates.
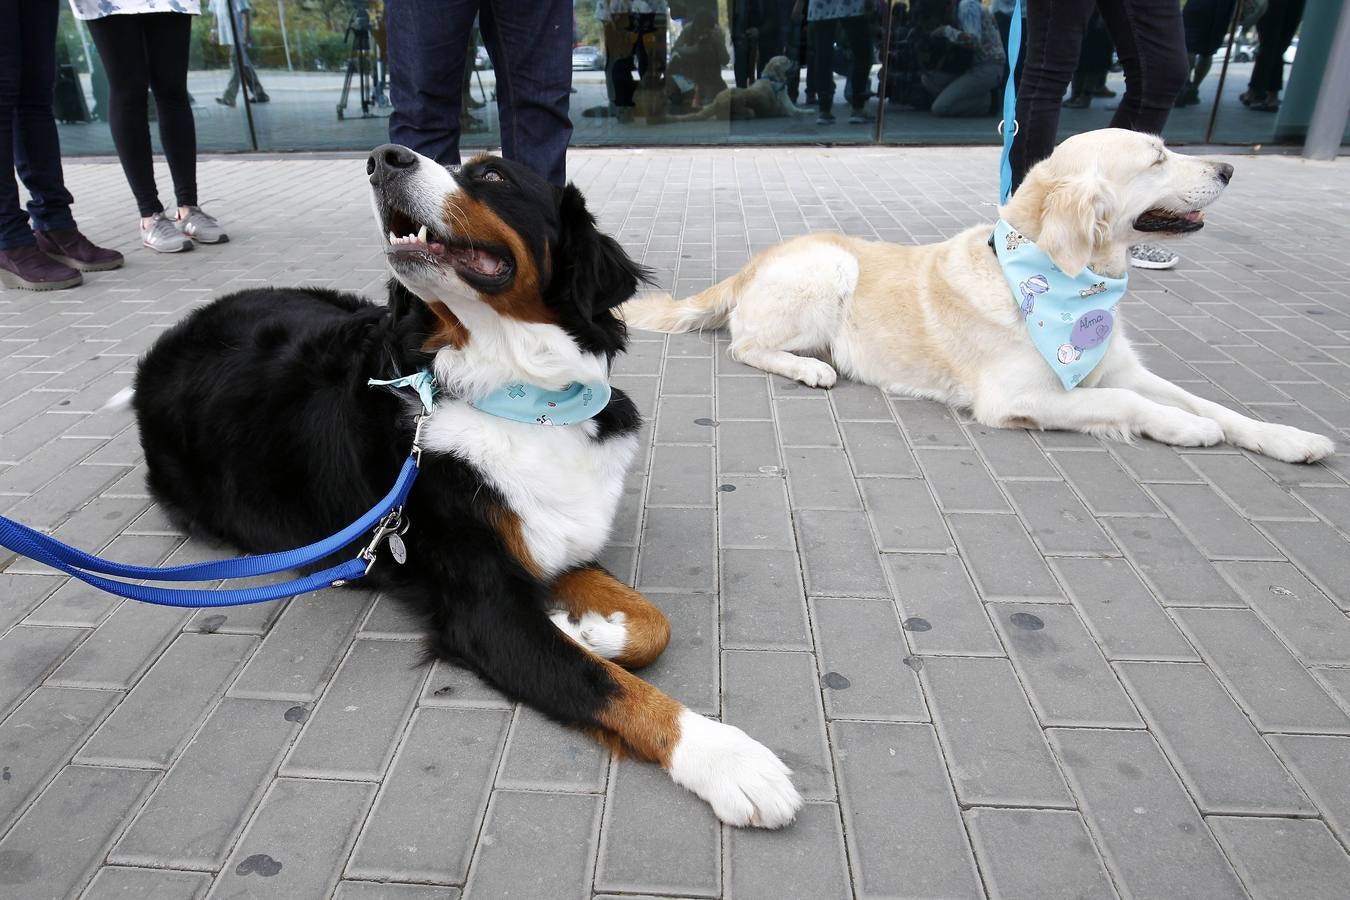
(590, 266)
(1076, 215)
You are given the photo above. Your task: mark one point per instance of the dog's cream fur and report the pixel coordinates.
(765, 99)
(939, 321)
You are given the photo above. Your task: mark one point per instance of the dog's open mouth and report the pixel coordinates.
(1166, 221)
(410, 240)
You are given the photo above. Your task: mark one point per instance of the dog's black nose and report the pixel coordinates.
(1225, 172)
(389, 160)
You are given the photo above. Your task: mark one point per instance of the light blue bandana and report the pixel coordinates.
(528, 403)
(1070, 319)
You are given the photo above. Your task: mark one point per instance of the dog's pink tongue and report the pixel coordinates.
(479, 261)
(1197, 216)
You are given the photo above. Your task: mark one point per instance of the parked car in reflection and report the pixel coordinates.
(587, 58)
(481, 59)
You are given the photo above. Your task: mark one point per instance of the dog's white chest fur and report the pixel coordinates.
(562, 483)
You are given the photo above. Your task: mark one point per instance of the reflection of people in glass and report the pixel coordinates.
(530, 45)
(1275, 31)
(970, 67)
(697, 59)
(243, 14)
(1094, 62)
(635, 42)
(759, 32)
(1206, 24)
(824, 18)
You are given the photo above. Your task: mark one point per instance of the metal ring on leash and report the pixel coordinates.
(1017, 126)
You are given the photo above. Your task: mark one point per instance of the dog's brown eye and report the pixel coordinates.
(492, 175)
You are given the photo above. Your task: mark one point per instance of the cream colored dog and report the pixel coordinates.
(939, 321)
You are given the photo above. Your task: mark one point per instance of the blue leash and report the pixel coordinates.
(385, 518)
(1010, 104)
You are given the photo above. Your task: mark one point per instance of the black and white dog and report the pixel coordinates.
(259, 428)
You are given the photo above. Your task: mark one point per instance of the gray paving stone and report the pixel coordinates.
(1212, 524)
(839, 555)
(121, 648)
(763, 606)
(1123, 616)
(1149, 461)
(542, 755)
(1288, 858)
(854, 401)
(678, 551)
(118, 883)
(820, 478)
(53, 850)
(555, 831)
(1245, 486)
(21, 594)
(878, 448)
(1058, 522)
(754, 515)
(1224, 762)
(1319, 551)
(82, 605)
(687, 375)
(688, 669)
(1063, 670)
(891, 776)
(303, 647)
(452, 686)
(807, 422)
(936, 598)
(861, 653)
(426, 819)
(677, 420)
(1339, 682)
(52, 504)
(1043, 853)
(961, 481)
(746, 447)
(929, 424)
(775, 698)
(1321, 763)
(997, 752)
(1277, 692)
(804, 861)
(1177, 573)
(1011, 452)
(904, 515)
(1152, 838)
(1002, 559)
(1104, 486)
(1332, 505)
(176, 694)
(27, 654)
(743, 397)
(681, 476)
(353, 731)
(39, 737)
(201, 806)
(295, 845)
(376, 890)
(1289, 604)
(389, 620)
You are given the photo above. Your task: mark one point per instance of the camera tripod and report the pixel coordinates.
(359, 62)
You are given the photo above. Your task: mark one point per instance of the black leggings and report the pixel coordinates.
(820, 74)
(1276, 32)
(140, 52)
(1152, 47)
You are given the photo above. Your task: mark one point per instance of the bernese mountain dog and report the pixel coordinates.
(260, 429)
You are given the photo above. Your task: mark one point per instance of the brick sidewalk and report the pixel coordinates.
(1001, 664)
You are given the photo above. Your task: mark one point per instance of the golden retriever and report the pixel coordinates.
(765, 99)
(939, 321)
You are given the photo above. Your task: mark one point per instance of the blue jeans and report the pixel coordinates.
(530, 45)
(28, 141)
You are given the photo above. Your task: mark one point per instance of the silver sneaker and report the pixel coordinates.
(162, 235)
(201, 227)
(1152, 256)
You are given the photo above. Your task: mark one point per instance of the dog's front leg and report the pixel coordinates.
(505, 635)
(1107, 412)
(1279, 441)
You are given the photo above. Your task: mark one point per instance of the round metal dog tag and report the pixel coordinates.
(398, 549)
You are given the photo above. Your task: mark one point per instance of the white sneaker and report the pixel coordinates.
(1152, 256)
(201, 227)
(161, 234)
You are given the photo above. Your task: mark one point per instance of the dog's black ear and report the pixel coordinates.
(401, 300)
(589, 265)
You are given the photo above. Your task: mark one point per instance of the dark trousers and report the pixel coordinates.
(140, 52)
(28, 140)
(531, 49)
(820, 76)
(1275, 30)
(1152, 49)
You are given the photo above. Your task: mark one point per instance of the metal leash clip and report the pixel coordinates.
(391, 527)
(417, 438)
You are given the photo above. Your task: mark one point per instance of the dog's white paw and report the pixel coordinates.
(1183, 429)
(1289, 444)
(739, 777)
(605, 636)
(815, 373)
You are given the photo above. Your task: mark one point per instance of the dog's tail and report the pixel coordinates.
(661, 312)
(121, 401)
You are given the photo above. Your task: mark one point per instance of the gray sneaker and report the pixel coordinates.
(201, 227)
(1152, 256)
(162, 235)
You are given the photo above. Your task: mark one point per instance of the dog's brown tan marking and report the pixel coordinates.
(450, 331)
(595, 590)
(639, 720)
(523, 300)
(508, 527)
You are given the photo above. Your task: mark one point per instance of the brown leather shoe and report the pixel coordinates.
(29, 269)
(77, 251)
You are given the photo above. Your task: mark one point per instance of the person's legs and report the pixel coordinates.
(1291, 16)
(820, 75)
(1054, 34)
(121, 45)
(232, 86)
(859, 37)
(169, 35)
(426, 70)
(1151, 43)
(530, 45)
(968, 94)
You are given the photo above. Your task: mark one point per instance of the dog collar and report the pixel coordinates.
(520, 402)
(1070, 318)
(423, 382)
